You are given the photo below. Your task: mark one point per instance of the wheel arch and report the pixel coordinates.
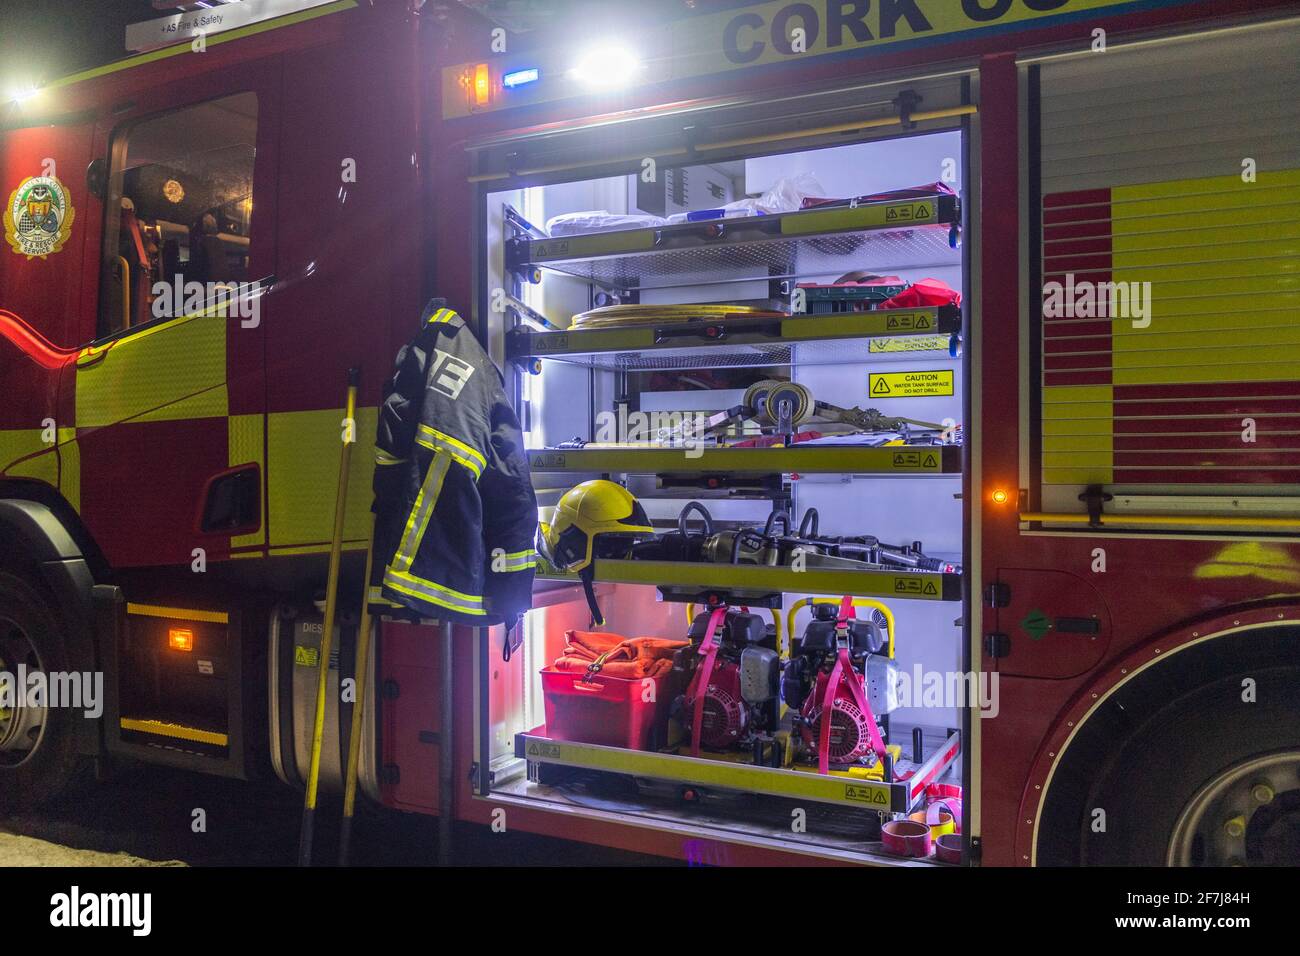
(1154, 653)
(40, 542)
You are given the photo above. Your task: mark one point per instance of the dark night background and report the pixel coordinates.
(41, 40)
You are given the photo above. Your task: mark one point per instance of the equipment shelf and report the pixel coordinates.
(916, 232)
(841, 338)
(898, 796)
(690, 578)
(796, 459)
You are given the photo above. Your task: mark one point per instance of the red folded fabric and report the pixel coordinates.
(924, 293)
(617, 656)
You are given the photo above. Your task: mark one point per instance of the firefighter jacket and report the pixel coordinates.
(455, 513)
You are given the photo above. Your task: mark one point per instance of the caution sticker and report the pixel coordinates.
(550, 342)
(545, 460)
(859, 793)
(911, 384)
(305, 656)
(921, 586)
(909, 321)
(911, 212)
(541, 750)
(916, 460)
(917, 343)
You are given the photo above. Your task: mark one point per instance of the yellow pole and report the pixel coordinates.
(360, 674)
(327, 630)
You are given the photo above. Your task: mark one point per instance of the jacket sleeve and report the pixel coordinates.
(396, 478)
(510, 521)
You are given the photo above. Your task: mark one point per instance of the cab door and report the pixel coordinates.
(169, 391)
(43, 154)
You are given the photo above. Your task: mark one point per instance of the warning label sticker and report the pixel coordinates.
(305, 656)
(910, 321)
(911, 212)
(916, 343)
(911, 384)
(924, 460)
(858, 793)
(923, 586)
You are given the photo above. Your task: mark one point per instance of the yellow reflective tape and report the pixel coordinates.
(407, 577)
(443, 316)
(418, 521)
(520, 560)
(383, 458)
(246, 444)
(376, 596)
(24, 453)
(433, 593)
(454, 445)
(184, 614)
(302, 451)
(467, 463)
(161, 728)
(175, 370)
(70, 468)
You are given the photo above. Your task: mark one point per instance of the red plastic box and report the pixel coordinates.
(608, 710)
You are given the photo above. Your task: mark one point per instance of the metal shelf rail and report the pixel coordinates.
(916, 232)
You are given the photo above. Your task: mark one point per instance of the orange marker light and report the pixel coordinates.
(482, 85)
(1000, 497)
(180, 639)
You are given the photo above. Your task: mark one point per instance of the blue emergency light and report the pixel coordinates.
(520, 77)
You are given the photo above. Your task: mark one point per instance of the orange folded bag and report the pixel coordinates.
(613, 655)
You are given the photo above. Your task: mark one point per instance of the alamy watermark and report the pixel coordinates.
(684, 430)
(960, 689)
(232, 300)
(1085, 299)
(77, 690)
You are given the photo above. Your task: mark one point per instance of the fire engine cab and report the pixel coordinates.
(944, 355)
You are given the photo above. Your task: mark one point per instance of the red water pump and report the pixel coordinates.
(825, 682)
(734, 680)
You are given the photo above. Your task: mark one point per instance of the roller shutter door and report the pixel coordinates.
(1169, 176)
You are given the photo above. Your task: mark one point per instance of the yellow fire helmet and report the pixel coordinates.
(591, 510)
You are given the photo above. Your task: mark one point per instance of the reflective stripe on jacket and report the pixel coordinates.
(455, 513)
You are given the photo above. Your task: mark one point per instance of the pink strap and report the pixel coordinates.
(843, 670)
(700, 683)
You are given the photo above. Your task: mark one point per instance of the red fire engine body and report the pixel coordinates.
(366, 201)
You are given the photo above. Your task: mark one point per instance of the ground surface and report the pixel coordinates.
(145, 817)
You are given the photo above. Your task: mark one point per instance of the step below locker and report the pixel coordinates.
(293, 661)
(175, 688)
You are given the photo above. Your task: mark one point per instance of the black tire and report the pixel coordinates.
(1152, 746)
(31, 778)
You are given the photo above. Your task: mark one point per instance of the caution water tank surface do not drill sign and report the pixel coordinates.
(911, 384)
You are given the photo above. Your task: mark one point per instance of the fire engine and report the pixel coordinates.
(203, 239)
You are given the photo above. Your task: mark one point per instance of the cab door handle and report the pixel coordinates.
(91, 358)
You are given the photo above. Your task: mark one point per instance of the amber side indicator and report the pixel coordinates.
(482, 85)
(180, 638)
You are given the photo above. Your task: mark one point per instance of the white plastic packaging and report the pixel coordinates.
(597, 220)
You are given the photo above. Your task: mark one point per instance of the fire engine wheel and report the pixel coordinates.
(37, 742)
(1194, 762)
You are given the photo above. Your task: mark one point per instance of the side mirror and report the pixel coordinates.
(97, 177)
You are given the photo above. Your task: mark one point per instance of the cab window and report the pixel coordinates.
(178, 209)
